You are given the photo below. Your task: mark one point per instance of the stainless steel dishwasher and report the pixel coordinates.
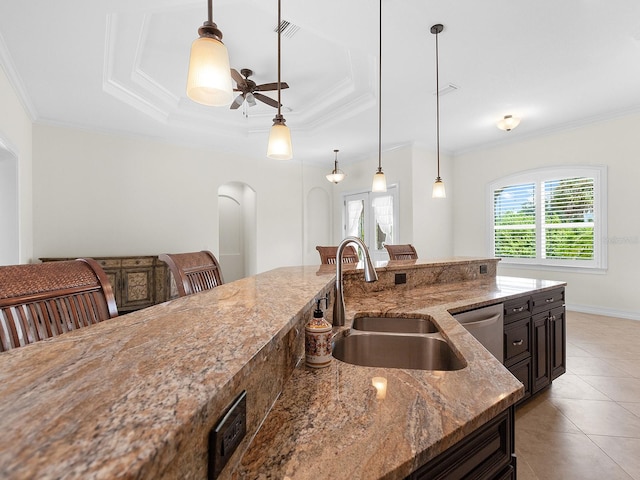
(486, 324)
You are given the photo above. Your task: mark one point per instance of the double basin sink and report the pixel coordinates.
(396, 342)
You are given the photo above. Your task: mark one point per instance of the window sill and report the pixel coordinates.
(556, 268)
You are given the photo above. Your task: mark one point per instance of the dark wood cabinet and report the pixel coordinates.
(535, 338)
(522, 371)
(541, 374)
(137, 281)
(517, 341)
(558, 342)
(487, 453)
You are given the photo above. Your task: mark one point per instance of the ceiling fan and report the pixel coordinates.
(249, 90)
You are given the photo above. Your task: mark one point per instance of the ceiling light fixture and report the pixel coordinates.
(379, 181)
(337, 175)
(508, 123)
(279, 147)
(209, 77)
(438, 186)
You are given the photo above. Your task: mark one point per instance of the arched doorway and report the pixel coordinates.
(9, 217)
(237, 230)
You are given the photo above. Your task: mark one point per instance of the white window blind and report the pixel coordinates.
(554, 216)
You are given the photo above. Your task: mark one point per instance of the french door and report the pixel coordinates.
(373, 217)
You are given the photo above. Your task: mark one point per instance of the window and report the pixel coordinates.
(373, 217)
(554, 216)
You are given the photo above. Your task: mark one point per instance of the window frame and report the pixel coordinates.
(393, 190)
(538, 176)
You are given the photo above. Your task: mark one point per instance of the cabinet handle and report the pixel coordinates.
(549, 300)
(552, 318)
(519, 309)
(517, 343)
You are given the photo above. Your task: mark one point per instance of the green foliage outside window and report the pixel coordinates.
(567, 220)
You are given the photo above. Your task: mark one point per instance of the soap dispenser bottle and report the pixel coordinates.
(318, 336)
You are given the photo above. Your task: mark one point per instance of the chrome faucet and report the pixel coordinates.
(370, 275)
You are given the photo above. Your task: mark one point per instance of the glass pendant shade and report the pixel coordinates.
(279, 147)
(209, 78)
(438, 189)
(336, 176)
(379, 182)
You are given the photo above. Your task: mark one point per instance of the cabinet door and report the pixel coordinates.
(115, 279)
(137, 288)
(557, 342)
(484, 453)
(541, 374)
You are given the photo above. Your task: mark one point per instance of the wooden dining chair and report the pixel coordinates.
(193, 272)
(328, 255)
(401, 252)
(44, 300)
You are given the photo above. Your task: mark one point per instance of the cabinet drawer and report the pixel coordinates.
(109, 262)
(522, 371)
(517, 308)
(137, 262)
(547, 300)
(517, 341)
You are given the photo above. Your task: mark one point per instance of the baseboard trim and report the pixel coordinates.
(607, 312)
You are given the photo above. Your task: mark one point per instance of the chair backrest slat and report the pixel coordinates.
(328, 254)
(401, 252)
(193, 272)
(40, 301)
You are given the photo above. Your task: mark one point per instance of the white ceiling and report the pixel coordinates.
(121, 66)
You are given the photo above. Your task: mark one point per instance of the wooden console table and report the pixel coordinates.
(137, 281)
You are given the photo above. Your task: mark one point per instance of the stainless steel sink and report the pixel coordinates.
(394, 325)
(397, 351)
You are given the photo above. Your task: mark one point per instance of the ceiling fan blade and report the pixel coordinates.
(238, 78)
(267, 100)
(237, 102)
(271, 86)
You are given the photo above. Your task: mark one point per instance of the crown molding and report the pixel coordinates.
(6, 62)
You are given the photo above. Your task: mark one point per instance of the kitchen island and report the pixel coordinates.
(136, 396)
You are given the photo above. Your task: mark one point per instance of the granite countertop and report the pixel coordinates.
(328, 423)
(136, 396)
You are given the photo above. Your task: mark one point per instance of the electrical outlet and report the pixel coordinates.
(401, 278)
(227, 435)
(483, 269)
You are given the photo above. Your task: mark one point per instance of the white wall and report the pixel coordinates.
(15, 141)
(9, 212)
(616, 144)
(98, 194)
(432, 217)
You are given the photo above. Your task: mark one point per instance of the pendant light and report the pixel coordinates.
(279, 147)
(209, 77)
(438, 186)
(336, 175)
(379, 181)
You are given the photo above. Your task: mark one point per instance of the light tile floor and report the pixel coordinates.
(587, 424)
